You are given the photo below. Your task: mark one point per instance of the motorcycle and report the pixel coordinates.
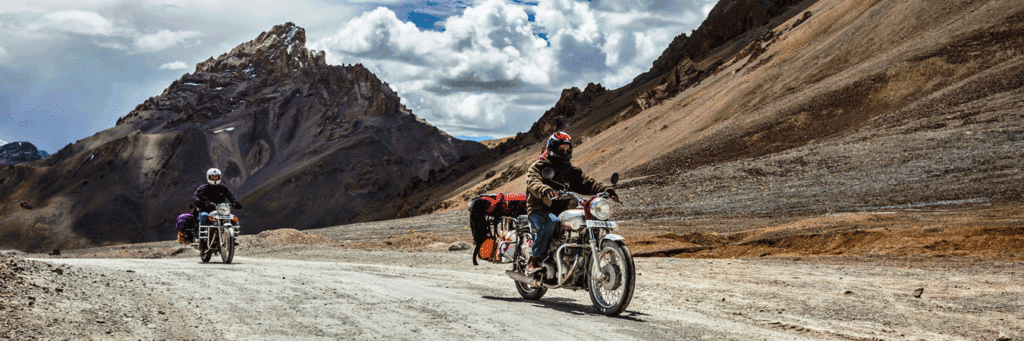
(217, 234)
(586, 256)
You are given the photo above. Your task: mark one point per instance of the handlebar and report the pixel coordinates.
(566, 195)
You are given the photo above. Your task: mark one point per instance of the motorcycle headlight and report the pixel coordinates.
(224, 209)
(572, 220)
(601, 208)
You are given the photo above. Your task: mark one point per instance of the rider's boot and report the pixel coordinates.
(531, 265)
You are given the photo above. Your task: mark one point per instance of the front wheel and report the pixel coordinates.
(204, 252)
(227, 246)
(612, 279)
(204, 248)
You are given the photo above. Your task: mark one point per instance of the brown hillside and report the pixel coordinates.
(828, 106)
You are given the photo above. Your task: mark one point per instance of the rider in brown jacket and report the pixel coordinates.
(541, 208)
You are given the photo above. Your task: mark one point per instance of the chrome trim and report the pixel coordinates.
(564, 275)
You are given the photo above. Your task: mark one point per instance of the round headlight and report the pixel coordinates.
(601, 209)
(224, 209)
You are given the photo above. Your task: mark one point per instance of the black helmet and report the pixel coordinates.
(560, 147)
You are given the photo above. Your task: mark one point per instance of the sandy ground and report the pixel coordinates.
(348, 282)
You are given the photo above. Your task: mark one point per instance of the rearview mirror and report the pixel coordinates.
(547, 173)
(615, 178)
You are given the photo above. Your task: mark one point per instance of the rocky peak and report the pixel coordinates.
(269, 71)
(727, 20)
(282, 48)
(18, 152)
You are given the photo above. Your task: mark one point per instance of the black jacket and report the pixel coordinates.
(216, 194)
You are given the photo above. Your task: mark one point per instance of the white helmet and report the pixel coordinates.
(213, 176)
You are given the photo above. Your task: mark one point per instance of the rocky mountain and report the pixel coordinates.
(18, 152)
(304, 144)
(796, 107)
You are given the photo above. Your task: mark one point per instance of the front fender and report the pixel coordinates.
(613, 237)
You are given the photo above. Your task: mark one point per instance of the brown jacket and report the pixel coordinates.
(574, 177)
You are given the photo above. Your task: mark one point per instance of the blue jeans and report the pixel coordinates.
(545, 223)
(204, 218)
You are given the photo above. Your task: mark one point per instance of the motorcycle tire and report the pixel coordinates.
(204, 251)
(525, 290)
(227, 246)
(612, 296)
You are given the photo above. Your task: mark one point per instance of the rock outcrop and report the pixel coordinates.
(727, 20)
(304, 144)
(18, 152)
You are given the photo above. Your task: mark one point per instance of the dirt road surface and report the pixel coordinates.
(308, 292)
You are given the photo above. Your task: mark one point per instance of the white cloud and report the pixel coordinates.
(104, 32)
(490, 68)
(175, 65)
(81, 22)
(162, 40)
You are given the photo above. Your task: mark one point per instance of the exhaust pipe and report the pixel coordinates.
(519, 277)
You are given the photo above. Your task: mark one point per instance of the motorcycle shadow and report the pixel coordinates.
(571, 306)
(219, 263)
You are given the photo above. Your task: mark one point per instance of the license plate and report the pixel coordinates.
(601, 223)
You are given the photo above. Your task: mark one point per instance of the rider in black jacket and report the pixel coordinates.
(208, 196)
(542, 209)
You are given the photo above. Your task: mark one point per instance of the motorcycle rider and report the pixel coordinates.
(209, 195)
(542, 209)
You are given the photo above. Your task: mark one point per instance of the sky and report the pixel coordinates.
(470, 67)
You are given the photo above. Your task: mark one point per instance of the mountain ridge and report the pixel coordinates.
(811, 92)
(302, 143)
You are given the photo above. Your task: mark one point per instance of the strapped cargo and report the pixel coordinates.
(489, 216)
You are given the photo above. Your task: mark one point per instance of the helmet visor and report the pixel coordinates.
(214, 177)
(565, 149)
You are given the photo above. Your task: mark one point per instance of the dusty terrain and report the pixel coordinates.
(845, 277)
(847, 171)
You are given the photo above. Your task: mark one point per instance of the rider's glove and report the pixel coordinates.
(550, 193)
(611, 193)
(236, 205)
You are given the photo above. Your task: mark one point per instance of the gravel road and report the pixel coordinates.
(303, 292)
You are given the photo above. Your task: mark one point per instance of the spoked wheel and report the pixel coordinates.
(612, 280)
(527, 291)
(227, 246)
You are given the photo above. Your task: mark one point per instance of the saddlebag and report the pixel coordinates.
(186, 225)
(484, 214)
(488, 250)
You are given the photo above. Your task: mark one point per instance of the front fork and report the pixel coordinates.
(595, 259)
(595, 247)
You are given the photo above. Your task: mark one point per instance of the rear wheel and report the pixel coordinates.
(612, 279)
(527, 291)
(227, 246)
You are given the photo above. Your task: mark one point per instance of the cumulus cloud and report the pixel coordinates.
(162, 40)
(175, 65)
(470, 67)
(495, 67)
